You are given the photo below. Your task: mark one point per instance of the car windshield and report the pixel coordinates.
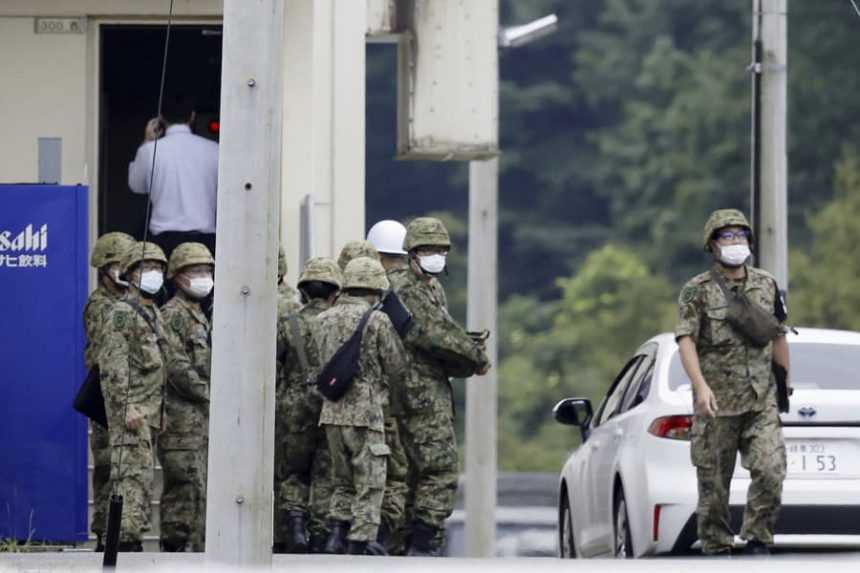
(813, 365)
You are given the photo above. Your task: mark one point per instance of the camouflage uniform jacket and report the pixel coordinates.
(288, 294)
(738, 373)
(382, 363)
(287, 304)
(95, 312)
(288, 357)
(187, 393)
(438, 346)
(132, 364)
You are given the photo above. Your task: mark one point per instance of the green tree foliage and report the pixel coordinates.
(627, 127)
(574, 347)
(824, 280)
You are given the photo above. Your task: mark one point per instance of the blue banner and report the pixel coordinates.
(43, 289)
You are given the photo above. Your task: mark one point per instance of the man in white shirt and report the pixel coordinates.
(184, 185)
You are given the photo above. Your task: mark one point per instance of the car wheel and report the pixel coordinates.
(623, 541)
(566, 546)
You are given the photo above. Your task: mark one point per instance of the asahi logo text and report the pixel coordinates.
(30, 240)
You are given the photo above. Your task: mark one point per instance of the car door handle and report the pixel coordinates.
(618, 433)
(595, 445)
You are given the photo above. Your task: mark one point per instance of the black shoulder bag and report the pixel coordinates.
(339, 373)
(747, 318)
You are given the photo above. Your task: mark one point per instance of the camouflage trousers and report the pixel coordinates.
(306, 478)
(431, 447)
(359, 462)
(302, 461)
(183, 495)
(132, 475)
(100, 447)
(396, 489)
(715, 443)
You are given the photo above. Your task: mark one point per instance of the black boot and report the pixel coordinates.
(130, 547)
(173, 545)
(297, 541)
(100, 546)
(756, 547)
(357, 547)
(317, 543)
(423, 542)
(336, 542)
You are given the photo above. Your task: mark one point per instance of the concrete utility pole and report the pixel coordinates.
(481, 392)
(770, 207)
(242, 415)
(482, 310)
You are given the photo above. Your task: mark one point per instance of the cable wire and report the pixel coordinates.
(856, 9)
(146, 223)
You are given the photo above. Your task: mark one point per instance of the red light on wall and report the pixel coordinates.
(214, 126)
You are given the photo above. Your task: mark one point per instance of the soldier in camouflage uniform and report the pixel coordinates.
(439, 348)
(288, 304)
(133, 361)
(106, 257)
(182, 447)
(303, 445)
(733, 389)
(285, 291)
(387, 237)
(355, 425)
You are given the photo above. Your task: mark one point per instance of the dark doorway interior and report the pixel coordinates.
(131, 59)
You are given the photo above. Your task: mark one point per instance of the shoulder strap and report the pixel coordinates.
(722, 284)
(158, 335)
(298, 342)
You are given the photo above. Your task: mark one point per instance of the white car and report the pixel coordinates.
(630, 489)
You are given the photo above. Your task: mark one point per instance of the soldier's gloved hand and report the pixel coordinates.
(706, 402)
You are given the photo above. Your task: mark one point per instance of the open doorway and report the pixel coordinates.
(131, 59)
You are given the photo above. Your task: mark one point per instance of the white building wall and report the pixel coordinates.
(42, 94)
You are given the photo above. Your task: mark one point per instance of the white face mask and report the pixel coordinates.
(151, 281)
(200, 287)
(433, 264)
(734, 255)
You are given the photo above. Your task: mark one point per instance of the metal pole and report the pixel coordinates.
(242, 410)
(481, 393)
(773, 217)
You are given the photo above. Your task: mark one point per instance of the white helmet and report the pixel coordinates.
(387, 236)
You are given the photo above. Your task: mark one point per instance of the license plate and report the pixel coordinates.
(819, 458)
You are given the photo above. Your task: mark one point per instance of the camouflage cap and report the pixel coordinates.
(426, 232)
(365, 272)
(353, 250)
(188, 254)
(110, 248)
(723, 218)
(322, 269)
(282, 263)
(140, 251)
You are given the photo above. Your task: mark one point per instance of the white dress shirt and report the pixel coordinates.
(185, 184)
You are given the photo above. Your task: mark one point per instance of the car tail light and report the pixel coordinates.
(672, 427)
(656, 532)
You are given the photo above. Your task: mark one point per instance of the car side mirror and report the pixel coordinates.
(573, 412)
